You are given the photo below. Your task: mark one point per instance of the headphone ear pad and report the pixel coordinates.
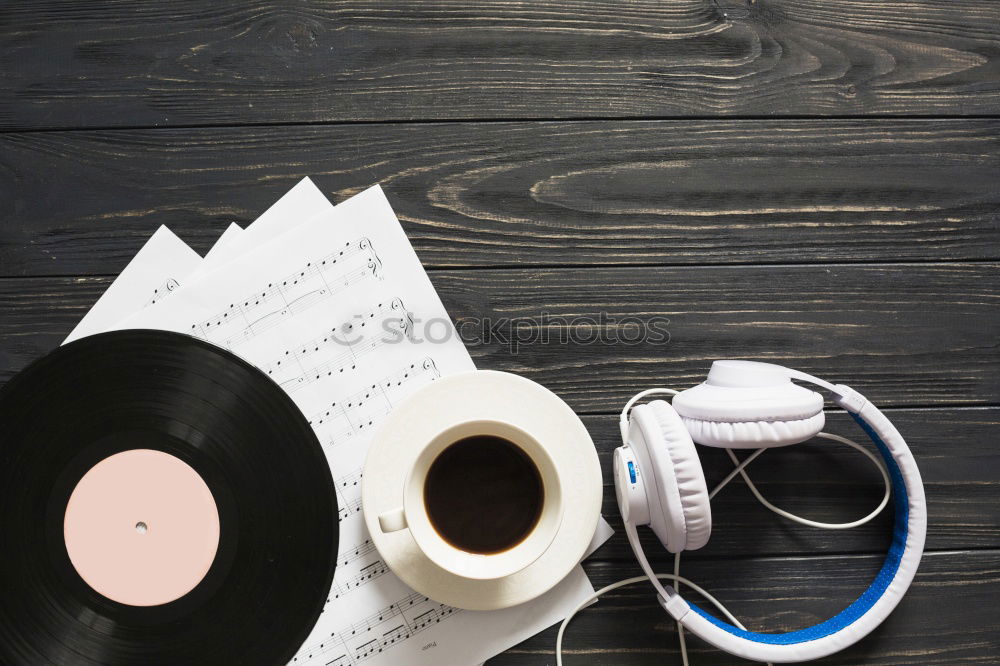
(754, 434)
(742, 417)
(683, 520)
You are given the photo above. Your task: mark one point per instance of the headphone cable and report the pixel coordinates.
(739, 470)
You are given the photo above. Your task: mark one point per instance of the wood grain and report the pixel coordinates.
(905, 335)
(922, 334)
(948, 616)
(80, 64)
(593, 193)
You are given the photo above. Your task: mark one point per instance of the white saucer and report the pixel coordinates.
(483, 394)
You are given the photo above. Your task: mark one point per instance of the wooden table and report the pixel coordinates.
(810, 182)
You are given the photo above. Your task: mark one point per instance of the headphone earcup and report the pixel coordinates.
(743, 417)
(753, 434)
(680, 513)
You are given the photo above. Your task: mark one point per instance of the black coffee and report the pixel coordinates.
(483, 494)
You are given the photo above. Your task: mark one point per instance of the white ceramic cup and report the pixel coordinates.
(413, 514)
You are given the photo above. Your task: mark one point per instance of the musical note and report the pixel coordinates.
(297, 367)
(353, 507)
(280, 299)
(432, 616)
(168, 286)
(356, 552)
(348, 489)
(363, 409)
(342, 660)
(367, 574)
(397, 633)
(378, 632)
(351, 480)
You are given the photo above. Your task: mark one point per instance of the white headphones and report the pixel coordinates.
(744, 404)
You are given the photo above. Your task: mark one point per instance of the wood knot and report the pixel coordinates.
(301, 35)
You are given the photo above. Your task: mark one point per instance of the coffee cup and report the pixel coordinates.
(481, 499)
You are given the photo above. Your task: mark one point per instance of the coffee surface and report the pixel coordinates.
(483, 494)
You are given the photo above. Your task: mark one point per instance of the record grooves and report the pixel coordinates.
(248, 442)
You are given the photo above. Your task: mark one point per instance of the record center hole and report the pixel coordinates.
(141, 527)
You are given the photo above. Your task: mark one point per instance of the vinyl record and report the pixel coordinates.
(161, 502)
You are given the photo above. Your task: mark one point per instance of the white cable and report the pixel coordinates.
(806, 521)
(740, 467)
(630, 581)
(623, 419)
(680, 627)
(642, 394)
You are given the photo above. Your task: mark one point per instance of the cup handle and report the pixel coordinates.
(392, 521)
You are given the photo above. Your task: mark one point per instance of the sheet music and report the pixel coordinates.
(320, 279)
(165, 261)
(155, 271)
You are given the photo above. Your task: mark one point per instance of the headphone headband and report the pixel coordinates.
(874, 605)
(881, 597)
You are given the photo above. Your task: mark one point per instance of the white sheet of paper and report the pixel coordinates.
(227, 237)
(165, 261)
(603, 533)
(298, 205)
(156, 270)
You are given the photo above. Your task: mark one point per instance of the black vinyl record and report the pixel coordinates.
(277, 510)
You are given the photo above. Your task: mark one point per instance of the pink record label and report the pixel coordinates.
(142, 527)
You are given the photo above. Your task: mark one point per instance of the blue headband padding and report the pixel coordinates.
(874, 591)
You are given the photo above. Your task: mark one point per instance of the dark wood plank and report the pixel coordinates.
(920, 334)
(948, 616)
(905, 335)
(829, 482)
(525, 193)
(76, 64)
